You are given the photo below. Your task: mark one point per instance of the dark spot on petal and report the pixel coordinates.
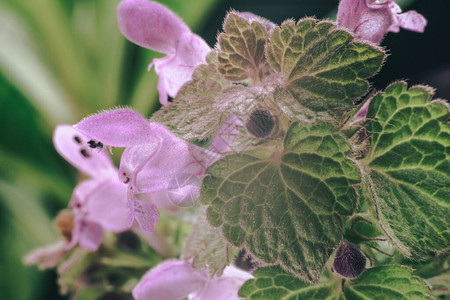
(85, 153)
(77, 139)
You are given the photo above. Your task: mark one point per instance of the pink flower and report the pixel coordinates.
(48, 256)
(98, 203)
(154, 164)
(371, 19)
(154, 26)
(177, 279)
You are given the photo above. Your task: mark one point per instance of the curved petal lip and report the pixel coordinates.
(150, 25)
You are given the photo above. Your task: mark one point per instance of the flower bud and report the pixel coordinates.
(349, 261)
(260, 123)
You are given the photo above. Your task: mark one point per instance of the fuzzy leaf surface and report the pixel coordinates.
(408, 168)
(192, 114)
(207, 246)
(383, 282)
(323, 68)
(386, 282)
(286, 209)
(242, 47)
(274, 283)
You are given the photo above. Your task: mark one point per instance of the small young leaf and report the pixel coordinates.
(286, 209)
(323, 68)
(274, 283)
(384, 282)
(192, 115)
(242, 46)
(408, 168)
(207, 246)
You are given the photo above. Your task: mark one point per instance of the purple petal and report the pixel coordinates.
(150, 25)
(135, 156)
(118, 128)
(176, 69)
(146, 214)
(223, 141)
(72, 145)
(370, 20)
(87, 233)
(170, 280)
(107, 205)
(155, 168)
(48, 256)
(225, 287)
(410, 20)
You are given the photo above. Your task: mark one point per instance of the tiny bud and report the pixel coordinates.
(260, 123)
(349, 261)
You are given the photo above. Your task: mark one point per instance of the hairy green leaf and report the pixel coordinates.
(408, 168)
(192, 115)
(208, 247)
(242, 47)
(384, 282)
(273, 283)
(286, 208)
(323, 68)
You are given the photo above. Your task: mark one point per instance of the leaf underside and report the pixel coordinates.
(286, 209)
(207, 247)
(242, 49)
(192, 114)
(408, 168)
(323, 68)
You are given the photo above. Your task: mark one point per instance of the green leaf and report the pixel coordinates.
(323, 68)
(383, 282)
(386, 282)
(408, 168)
(286, 208)
(208, 247)
(192, 115)
(242, 47)
(274, 283)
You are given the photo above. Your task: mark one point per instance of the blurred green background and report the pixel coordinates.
(61, 60)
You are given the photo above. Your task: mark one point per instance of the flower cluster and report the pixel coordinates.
(161, 172)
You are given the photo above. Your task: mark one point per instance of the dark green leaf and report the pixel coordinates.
(323, 68)
(408, 168)
(286, 208)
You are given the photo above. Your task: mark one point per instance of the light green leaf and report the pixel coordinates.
(192, 115)
(287, 208)
(383, 282)
(386, 282)
(273, 283)
(242, 47)
(208, 247)
(408, 168)
(323, 68)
